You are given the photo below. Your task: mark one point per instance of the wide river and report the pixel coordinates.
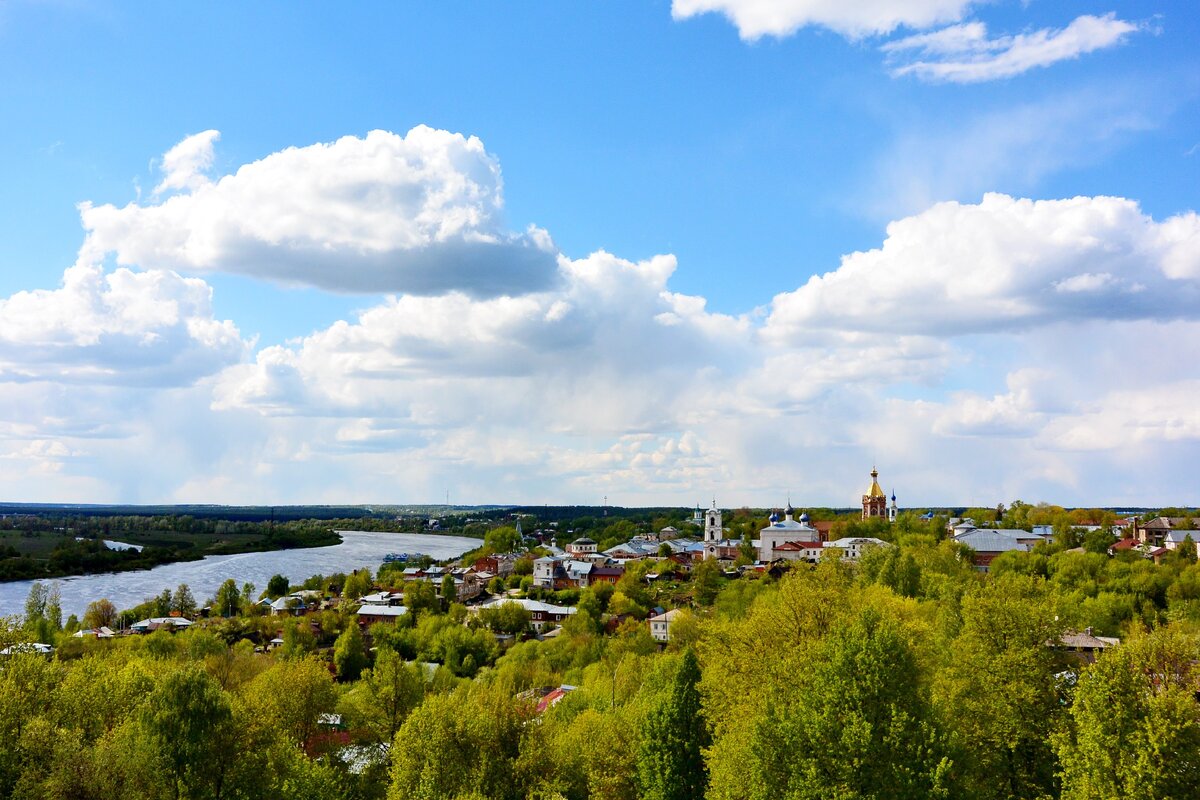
(358, 549)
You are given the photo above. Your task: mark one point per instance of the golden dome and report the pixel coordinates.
(875, 490)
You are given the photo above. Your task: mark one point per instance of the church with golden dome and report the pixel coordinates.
(875, 502)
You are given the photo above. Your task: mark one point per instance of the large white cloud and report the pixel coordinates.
(1000, 334)
(419, 213)
(612, 383)
(965, 54)
(1005, 264)
(605, 352)
(121, 327)
(757, 18)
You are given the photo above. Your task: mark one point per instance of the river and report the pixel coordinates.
(125, 589)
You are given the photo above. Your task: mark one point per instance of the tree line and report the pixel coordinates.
(910, 674)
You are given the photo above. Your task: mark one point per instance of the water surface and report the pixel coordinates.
(358, 549)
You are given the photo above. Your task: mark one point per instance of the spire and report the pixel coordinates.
(875, 490)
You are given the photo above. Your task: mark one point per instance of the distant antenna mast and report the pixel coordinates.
(606, 505)
(447, 497)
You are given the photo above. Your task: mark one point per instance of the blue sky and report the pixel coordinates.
(612, 288)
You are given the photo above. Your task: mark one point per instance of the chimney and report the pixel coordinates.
(1088, 630)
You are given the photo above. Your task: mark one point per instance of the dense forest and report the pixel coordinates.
(909, 674)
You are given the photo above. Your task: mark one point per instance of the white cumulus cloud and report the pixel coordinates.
(184, 165)
(438, 361)
(419, 213)
(1006, 264)
(757, 18)
(123, 327)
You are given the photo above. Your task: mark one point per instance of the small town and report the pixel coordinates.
(559, 622)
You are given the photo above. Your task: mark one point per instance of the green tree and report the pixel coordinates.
(292, 695)
(706, 581)
(189, 721)
(277, 587)
(1135, 724)
(464, 745)
(228, 600)
(420, 597)
(511, 618)
(298, 639)
(393, 689)
(999, 693)
(349, 655)
(504, 539)
(100, 613)
(183, 601)
(35, 603)
(671, 762)
(357, 584)
(449, 590)
(162, 604)
(860, 725)
(1187, 549)
(54, 608)
(893, 567)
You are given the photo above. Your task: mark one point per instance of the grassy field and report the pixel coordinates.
(35, 544)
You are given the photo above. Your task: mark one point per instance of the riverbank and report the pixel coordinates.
(358, 549)
(62, 552)
(44, 543)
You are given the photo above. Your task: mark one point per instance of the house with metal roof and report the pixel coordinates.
(991, 542)
(541, 615)
(154, 623)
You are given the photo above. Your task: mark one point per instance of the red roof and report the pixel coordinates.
(1126, 544)
(551, 699)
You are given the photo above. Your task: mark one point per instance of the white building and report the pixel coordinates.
(715, 543)
(370, 613)
(541, 615)
(660, 626)
(853, 547)
(582, 546)
(786, 531)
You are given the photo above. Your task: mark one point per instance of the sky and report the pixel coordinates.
(647, 252)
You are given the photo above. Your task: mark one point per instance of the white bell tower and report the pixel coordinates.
(714, 532)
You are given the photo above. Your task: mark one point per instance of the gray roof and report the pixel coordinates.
(178, 622)
(990, 540)
(368, 610)
(1086, 640)
(530, 605)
